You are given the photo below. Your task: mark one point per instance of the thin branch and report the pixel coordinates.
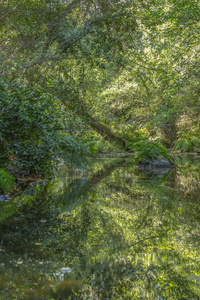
(70, 7)
(68, 10)
(9, 12)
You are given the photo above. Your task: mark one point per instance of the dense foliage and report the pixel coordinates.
(6, 180)
(80, 77)
(117, 67)
(32, 130)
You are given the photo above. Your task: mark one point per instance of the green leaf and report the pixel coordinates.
(7, 181)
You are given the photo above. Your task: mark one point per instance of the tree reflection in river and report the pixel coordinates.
(123, 234)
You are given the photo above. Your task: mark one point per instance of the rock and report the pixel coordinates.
(30, 192)
(66, 270)
(156, 163)
(42, 183)
(4, 197)
(195, 278)
(158, 171)
(162, 163)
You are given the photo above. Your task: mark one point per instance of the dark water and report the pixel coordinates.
(118, 233)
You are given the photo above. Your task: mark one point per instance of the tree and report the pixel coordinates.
(118, 69)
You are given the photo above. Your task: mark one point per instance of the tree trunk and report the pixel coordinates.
(104, 131)
(77, 105)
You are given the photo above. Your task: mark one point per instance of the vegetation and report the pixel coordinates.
(6, 180)
(79, 78)
(77, 75)
(32, 137)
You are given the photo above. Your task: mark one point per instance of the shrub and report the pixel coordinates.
(187, 142)
(6, 181)
(30, 122)
(145, 150)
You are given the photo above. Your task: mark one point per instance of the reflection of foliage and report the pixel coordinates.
(188, 177)
(71, 150)
(126, 240)
(187, 142)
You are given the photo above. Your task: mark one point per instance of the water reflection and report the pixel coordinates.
(122, 233)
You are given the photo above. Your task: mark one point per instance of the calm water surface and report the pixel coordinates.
(116, 234)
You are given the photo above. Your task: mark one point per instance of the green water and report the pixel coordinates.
(118, 233)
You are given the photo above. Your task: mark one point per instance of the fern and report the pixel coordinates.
(182, 134)
(136, 136)
(178, 145)
(189, 143)
(6, 181)
(146, 150)
(186, 145)
(195, 141)
(183, 145)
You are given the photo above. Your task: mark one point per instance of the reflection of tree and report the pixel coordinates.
(123, 237)
(162, 222)
(77, 192)
(187, 176)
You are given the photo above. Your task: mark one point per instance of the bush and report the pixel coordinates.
(30, 122)
(6, 181)
(187, 142)
(145, 151)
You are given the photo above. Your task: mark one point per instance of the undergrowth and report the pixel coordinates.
(187, 142)
(146, 150)
(6, 181)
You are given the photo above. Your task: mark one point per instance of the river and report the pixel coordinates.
(116, 233)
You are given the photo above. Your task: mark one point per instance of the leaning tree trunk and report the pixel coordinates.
(77, 105)
(104, 131)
